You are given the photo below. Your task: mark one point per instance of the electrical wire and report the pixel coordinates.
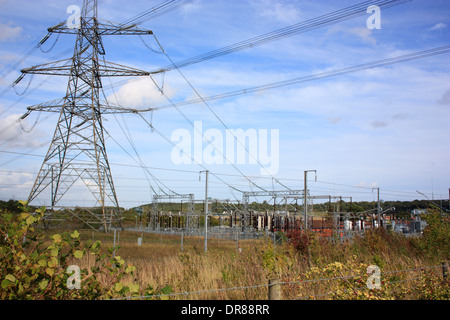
(408, 194)
(217, 117)
(318, 76)
(151, 126)
(302, 27)
(156, 11)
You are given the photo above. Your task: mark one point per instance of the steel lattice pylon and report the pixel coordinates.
(77, 152)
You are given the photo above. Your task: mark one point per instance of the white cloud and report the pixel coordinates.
(9, 32)
(363, 33)
(282, 12)
(438, 26)
(141, 93)
(14, 134)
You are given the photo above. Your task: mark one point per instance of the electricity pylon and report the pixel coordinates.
(77, 152)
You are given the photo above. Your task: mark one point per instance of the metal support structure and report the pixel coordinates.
(378, 208)
(206, 210)
(77, 153)
(305, 194)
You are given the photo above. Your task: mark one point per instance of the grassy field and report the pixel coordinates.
(381, 264)
(159, 262)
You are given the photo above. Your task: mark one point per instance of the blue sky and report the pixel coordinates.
(386, 127)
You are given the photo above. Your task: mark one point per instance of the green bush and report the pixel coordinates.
(435, 241)
(35, 268)
(349, 281)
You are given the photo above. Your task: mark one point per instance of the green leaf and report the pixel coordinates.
(30, 220)
(42, 262)
(10, 277)
(78, 254)
(6, 284)
(75, 234)
(23, 203)
(96, 245)
(41, 211)
(43, 284)
(53, 262)
(21, 289)
(50, 271)
(129, 269)
(24, 215)
(134, 288)
(118, 286)
(56, 238)
(120, 261)
(54, 252)
(166, 290)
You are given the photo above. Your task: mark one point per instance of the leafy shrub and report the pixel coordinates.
(349, 281)
(33, 269)
(435, 241)
(301, 240)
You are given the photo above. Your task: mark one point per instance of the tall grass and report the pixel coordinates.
(159, 261)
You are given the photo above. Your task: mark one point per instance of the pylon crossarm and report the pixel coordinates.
(110, 29)
(105, 108)
(105, 69)
(110, 69)
(56, 68)
(105, 28)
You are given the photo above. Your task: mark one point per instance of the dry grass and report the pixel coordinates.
(160, 262)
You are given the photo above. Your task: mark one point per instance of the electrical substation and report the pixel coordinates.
(77, 153)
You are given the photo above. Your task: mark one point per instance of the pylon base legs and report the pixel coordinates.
(98, 219)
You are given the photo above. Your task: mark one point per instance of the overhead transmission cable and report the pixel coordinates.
(302, 27)
(361, 67)
(387, 191)
(31, 51)
(151, 126)
(139, 161)
(192, 124)
(216, 115)
(318, 76)
(156, 11)
(153, 12)
(141, 165)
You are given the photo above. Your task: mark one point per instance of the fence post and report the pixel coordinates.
(182, 239)
(274, 289)
(444, 269)
(114, 245)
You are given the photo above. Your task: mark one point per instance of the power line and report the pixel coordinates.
(192, 158)
(302, 27)
(318, 76)
(400, 193)
(156, 11)
(217, 116)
